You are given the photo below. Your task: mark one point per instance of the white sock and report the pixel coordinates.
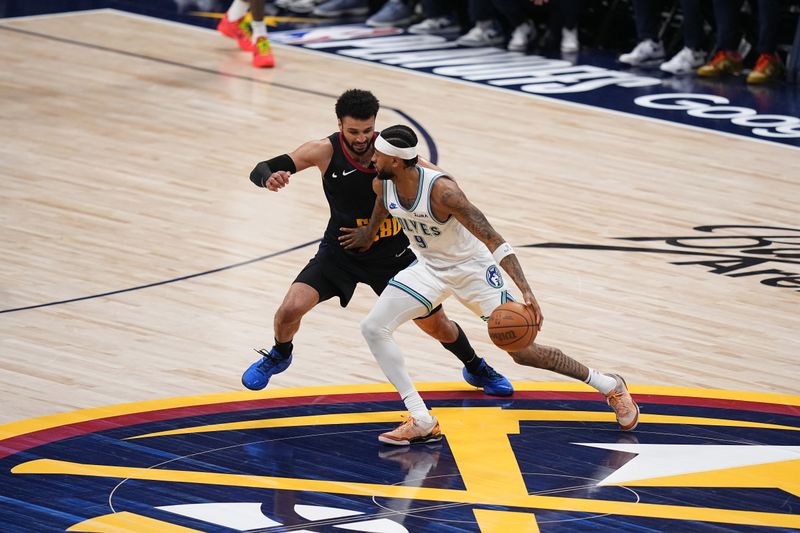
(602, 382)
(238, 9)
(416, 406)
(259, 29)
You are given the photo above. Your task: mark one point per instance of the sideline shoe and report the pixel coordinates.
(623, 405)
(262, 54)
(684, 62)
(724, 62)
(484, 33)
(647, 52)
(257, 375)
(521, 36)
(302, 7)
(237, 29)
(412, 432)
(434, 25)
(569, 40)
(342, 8)
(768, 68)
(488, 379)
(393, 13)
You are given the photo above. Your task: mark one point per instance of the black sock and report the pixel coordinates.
(462, 349)
(283, 348)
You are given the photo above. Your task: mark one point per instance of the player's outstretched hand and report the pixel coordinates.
(533, 305)
(356, 238)
(278, 180)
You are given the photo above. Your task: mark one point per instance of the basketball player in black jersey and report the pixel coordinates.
(344, 159)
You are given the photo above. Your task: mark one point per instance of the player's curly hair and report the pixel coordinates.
(357, 104)
(401, 136)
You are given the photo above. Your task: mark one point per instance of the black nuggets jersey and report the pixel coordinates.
(348, 188)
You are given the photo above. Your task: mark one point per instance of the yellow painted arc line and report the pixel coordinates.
(524, 415)
(22, 427)
(675, 512)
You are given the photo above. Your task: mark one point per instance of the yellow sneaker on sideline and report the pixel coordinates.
(768, 68)
(723, 63)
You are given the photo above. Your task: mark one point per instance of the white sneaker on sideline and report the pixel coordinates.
(434, 25)
(684, 62)
(302, 7)
(645, 53)
(484, 33)
(522, 35)
(569, 40)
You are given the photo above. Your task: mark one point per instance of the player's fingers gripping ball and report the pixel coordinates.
(512, 327)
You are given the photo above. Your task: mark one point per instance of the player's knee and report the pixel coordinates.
(438, 327)
(372, 330)
(289, 312)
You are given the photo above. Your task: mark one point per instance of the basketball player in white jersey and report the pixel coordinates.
(458, 255)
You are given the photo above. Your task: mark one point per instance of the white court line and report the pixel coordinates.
(437, 77)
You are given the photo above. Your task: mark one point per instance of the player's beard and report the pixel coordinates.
(356, 151)
(385, 175)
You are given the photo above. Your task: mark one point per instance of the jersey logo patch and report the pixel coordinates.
(493, 277)
(345, 173)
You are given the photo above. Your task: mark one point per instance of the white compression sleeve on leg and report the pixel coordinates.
(393, 308)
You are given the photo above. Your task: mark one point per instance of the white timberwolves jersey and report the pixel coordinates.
(440, 244)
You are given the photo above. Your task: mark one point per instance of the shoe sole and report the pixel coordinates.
(644, 64)
(418, 440)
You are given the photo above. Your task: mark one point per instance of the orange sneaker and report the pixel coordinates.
(768, 68)
(262, 54)
(723, 63)
(412, 432)
(623, 405)
(237, 29)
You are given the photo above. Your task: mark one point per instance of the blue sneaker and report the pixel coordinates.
(393, 13)
(257, 375)
(489, 380)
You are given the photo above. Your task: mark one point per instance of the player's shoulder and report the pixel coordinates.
(445, 191)
(317, 152)
(443, 182)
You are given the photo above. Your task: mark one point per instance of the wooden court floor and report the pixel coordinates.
(126, 145)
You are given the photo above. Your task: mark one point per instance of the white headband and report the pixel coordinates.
(385, 147)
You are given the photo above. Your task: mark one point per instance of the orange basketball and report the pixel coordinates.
(511, 327)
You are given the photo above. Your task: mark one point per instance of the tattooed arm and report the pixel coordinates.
(447, 199)
(362, 237)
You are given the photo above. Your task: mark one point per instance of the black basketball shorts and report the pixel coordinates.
(333, 273)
